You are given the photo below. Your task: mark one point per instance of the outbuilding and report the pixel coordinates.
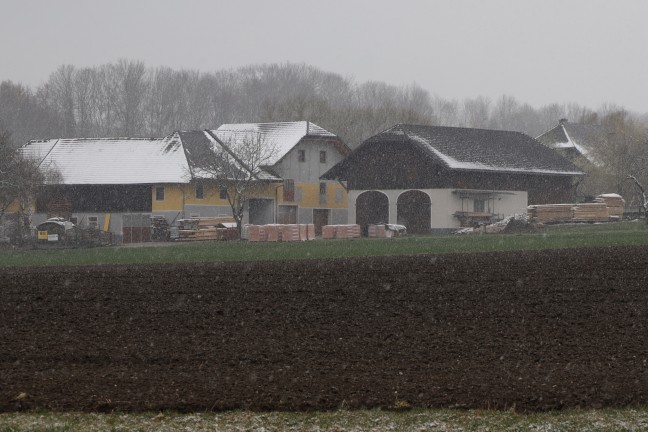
(432, 178)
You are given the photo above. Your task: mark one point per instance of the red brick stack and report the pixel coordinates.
(377, 231)
(282, 233)
(340, 231)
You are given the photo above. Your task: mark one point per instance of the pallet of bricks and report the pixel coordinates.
(207, 228)
(340, 231)
(383, 231)
(615, 205)
(281, 232)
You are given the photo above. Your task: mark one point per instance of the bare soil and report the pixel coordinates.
(533, 330)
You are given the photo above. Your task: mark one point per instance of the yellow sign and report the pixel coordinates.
(42, 235)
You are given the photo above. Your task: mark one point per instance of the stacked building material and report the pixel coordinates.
(387, 230)
(340, 231)
(289, 232)
(615, 205)
(328, 231)
(376, 231)
(590, 212)
(257, 233)
(281, 232)
(551, 213)
(207, 228)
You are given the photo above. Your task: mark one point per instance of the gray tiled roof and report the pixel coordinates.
(581, 138)
(482, 149)
(474, 149)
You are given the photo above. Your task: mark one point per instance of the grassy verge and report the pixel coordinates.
(618, 234)
(415, 420)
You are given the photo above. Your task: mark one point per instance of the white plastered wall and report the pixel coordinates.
(444, 204)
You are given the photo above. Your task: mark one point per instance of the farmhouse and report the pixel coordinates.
(439, 178)
(303, 152)
(574, 140)
(117, 184)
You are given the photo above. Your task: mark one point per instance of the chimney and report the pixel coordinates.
(562, 121)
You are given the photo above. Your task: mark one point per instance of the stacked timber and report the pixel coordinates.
(590, 212)
(551, 213)
(615, 205)
(207, 228)
(281, 232)
(341, 231)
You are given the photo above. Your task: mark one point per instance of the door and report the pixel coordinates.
(320, 218)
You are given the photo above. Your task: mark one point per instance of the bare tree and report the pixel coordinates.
(236, 165)
(20, 181)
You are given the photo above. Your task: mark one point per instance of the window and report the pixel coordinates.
(289, 190)
(322, 156)
(322, 188)
(159, 193)
(93, 222)
(74, 220)
(301, 155)
(222, 193)
(479, 206)
(200, 192)
(322, 195)
(339, 196)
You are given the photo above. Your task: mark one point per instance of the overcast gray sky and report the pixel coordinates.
(590, 52)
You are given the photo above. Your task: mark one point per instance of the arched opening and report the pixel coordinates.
(414, 211)
(372, 207)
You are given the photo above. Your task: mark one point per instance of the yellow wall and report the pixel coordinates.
(310, 195)
(178, 195)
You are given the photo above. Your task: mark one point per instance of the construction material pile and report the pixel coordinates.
(207, 228)
(340, 231)
(513, 224)
(605, 208)
(551, 212)
(590, 212)
(386, 230)
(615, 204)
(280, 232)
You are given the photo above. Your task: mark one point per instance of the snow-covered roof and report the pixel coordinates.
(283, 136)
(201, 145)
(111, 160)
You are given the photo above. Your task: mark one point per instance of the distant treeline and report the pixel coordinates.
(129, 99)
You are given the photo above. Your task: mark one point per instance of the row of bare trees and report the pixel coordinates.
(128, 99)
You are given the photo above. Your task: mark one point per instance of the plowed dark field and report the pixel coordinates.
(535, 330)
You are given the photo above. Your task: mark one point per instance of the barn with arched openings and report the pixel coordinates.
(439, 178)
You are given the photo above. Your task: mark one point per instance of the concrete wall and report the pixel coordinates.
(311, 169)
(444, 204)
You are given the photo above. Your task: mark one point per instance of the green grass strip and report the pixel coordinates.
(574, 236)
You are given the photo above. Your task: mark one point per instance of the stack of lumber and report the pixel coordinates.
(551, 213)
(341, 231)
(281, 232)
(207, 228)
(605, 207)
(590, 212)
(615, 205)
